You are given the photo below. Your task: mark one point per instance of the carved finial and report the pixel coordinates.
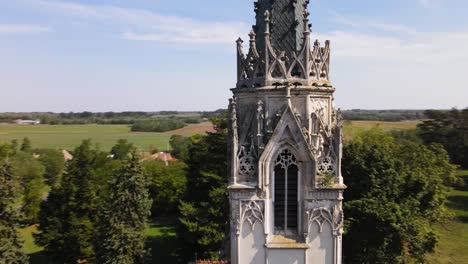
(239, 41)
(267, 23)
(267, 16)
(252, 35)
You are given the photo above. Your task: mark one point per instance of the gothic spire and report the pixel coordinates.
(287, 23)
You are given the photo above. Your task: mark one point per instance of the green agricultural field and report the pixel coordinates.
(351, 128)
(69, 136)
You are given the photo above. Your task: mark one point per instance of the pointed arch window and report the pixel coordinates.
(286, 191)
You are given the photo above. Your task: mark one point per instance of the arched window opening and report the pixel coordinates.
(286, 190)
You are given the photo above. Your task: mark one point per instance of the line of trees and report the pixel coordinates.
(107, 118)
(450, 129)
(99, 202)
(383, 115)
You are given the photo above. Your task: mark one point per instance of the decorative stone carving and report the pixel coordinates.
(233, 117)
(260, 123)
(310, 66)
(324, 211)
(247, 162)
(251, 212)
(326, 166)
(285, 159)
(320, 107)
(281, 115)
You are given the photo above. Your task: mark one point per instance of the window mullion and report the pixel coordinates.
(286, 199)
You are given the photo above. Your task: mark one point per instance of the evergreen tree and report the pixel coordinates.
(123, 217)
(67, 218)
(10, 244)
(205, 210)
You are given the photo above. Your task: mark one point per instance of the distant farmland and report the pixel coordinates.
(69, 136)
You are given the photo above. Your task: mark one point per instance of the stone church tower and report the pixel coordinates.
(285, 187)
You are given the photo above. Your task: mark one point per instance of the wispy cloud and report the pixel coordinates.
(143, 25)
(393, 42)
(22, 29)
(372, 25)
(433, 48)
(425, 3)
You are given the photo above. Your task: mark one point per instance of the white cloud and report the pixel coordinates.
(428, 48)
(144, 25)
(22, 29)
(426, 70)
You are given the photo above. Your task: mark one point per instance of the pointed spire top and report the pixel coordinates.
(286, 19)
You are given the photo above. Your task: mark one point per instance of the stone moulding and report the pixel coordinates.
(309, 67)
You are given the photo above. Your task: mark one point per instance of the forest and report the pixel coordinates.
(96, 207)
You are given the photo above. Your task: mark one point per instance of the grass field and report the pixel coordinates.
(69, 136)
(161, 239)
(163, 243)
(352, 128)
(453, 243)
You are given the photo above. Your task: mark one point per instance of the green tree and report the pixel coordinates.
(31, 173)
(54, 164)
(14, 144)
(395, 192)
(121, 149)
(67, 218)
(449, 129)
(10, 243)
(167, 185)
(205, 209)
(26, 145)
(180, 146)
(123, 217)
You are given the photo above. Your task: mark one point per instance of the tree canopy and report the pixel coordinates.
(67, 218)
(395, 192)
(205, 209)
(123, 217)
(10, 243)
(449, 129)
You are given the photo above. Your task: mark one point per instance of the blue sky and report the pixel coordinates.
(149, 55)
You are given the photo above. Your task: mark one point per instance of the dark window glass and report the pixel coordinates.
(286, 186)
